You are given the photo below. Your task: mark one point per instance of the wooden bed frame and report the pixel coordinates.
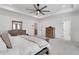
(23, 32)
(43, 51)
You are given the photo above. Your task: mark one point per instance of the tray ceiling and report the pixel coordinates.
(54, 9)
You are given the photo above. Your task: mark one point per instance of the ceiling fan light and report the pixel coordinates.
(38, 12)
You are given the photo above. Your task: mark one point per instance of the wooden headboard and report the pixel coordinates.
(17, 32)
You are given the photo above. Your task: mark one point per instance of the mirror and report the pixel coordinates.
(16, 25)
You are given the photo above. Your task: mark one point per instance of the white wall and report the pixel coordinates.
(6, 23)
(28, 23)
(75, 28)
(56, 22)
(53, 23)
(71, 29)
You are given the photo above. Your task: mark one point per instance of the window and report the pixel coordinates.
(16, 25)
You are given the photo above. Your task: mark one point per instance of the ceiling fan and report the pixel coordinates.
(38, 10)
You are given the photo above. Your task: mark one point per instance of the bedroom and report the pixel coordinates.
(59, 18)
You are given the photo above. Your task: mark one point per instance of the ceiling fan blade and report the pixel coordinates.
(36, 13)
(35, 6)
(43, 7)
(42, 13)
(45, 11)
(33, 12)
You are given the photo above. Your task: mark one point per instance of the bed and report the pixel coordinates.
(24, 45)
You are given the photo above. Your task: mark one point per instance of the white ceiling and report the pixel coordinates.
(54, 9)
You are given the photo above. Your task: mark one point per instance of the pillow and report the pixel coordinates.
(9, 36)
(2, 45)
(6, 40)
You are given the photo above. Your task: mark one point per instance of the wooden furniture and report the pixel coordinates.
(50, 32)
(17, 32)
(43, 51)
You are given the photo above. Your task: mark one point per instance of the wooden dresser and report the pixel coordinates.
(17, 32)
(50, 32)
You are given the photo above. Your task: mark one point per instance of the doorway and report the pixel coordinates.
(67, 29)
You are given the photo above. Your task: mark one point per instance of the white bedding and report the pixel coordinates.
(23, 46)
(2, 45)
(38, 41)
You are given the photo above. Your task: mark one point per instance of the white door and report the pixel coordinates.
(67, 30)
